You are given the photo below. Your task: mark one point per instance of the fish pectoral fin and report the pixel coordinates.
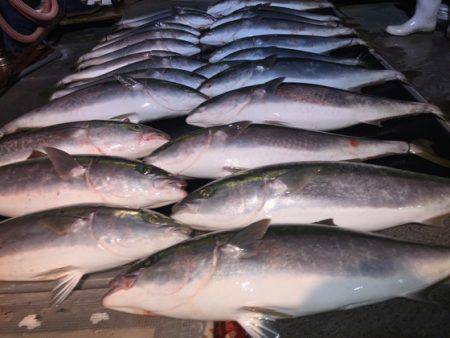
(233, 170)
(438, 221)
(65, 286)
(276, 123)
(130, 117)
(328, 221)
(247, 239)
(65, 165)
(258, 325)
(129, 82)
(36, 154)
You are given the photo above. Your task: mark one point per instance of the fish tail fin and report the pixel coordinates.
(428, 108)
(65, 286)
(357, 42)
(422, 148)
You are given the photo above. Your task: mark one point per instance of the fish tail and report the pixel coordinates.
(421, 108)
(422, 148)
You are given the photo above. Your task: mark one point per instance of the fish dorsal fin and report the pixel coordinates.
(36, 154)
(131, 117)
(272, 85)
(268, 87)
(247, 239)
(129, 82)
(269, 61)
(65, 165)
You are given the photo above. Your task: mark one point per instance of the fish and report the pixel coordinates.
(216, 152)
(144, 67)
(261, 274)
(257, 26)
(138, 100)
(190, 79)
(148, 27)
(296, 70)
(67, 243)
(272, 15)
(260, 53)
(142, 15)
(60, 180)
(304, 106)
(196, 20)
(257, 13)
(172, 45)
(131, 57)
(352, 195)
(108, 69)
(110, 138)
(312, 44)
(151, 34)
(268, 8)
(226, 7)
(211, 69)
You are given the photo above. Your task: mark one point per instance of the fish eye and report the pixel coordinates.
(136, 127)
(153, 218)
(204, 193)
(143, 169)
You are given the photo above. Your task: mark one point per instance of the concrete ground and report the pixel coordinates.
(425, 60)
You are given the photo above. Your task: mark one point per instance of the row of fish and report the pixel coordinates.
(264, 96)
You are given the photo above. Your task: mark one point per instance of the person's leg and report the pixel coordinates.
(423, 20)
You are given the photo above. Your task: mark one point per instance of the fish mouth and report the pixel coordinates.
(184, 208)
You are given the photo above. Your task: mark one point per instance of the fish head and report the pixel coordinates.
(179, 155)
(115, 137)
(227, 203)
(166, 281)
(222, 109)
(130, 234)
(239, 75)
(134, 184)
(161, 185)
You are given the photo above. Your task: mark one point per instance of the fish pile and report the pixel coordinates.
(289, 207)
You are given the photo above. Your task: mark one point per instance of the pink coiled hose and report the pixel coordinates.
(50, 9)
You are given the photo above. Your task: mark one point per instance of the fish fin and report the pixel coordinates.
(247, 239)
(276, 123)
(438, 221)
(258, 325)
(422, 148)
(272, 85)
(275, 313)
(233, 170)
(235, 129)
(129, 82)
(65, 286)
(65, 165)
(373, 123)
(36, 154)
(130, 117)
(268, 61)
(424, 295)
(328, 221)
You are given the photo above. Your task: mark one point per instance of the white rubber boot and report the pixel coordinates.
(423, 20)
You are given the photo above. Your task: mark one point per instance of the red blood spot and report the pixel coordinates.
(229, 329)
(354, 143)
